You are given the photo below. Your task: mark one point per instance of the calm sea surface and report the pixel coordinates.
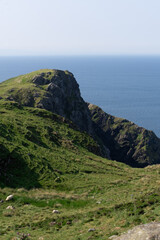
(127, 87)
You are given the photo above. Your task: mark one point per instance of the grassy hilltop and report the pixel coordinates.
(50, 163)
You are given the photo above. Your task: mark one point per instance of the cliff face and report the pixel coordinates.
(63, 97)
(58, 92)
(126, 141)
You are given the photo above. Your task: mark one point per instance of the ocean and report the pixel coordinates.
(124, 86)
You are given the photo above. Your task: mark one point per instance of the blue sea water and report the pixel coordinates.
(124, 86)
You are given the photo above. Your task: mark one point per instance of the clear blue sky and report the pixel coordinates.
(78, 27)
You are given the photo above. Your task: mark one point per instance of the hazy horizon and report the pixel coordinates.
(78, 28)
(83, 55)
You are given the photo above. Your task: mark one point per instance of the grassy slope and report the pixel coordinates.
(44, 147)
(49, 167)
(22, 87)
(88, 190)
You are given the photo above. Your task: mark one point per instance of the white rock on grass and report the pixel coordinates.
(9, 198)
(10, 207)
(91, 230)
(56, 211)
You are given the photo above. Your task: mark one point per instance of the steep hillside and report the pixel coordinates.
(48, 165)
(58, 92)
(51, 159)
(126, 141)
(39, 148)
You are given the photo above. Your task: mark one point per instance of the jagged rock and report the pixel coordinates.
(150, 231)
(57, 91)
(126, 141)
(41, 80)
(61, 95)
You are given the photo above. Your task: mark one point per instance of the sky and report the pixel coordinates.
(79, 27)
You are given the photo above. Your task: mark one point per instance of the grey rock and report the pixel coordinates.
(63, 97)
(126, 141)
(150, 231)
(40, 79)
(91, 230)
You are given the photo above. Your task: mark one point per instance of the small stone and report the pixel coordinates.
(91, 230)
(52, 223)
(10, 207)
(69, 223)
(9, 198)
(56, 211)
(99, 202)
(112, 237)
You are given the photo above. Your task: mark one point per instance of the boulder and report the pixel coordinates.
(150, 231)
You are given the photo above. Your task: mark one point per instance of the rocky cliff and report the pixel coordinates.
(58, 92)
(126, 141)
(41, 149)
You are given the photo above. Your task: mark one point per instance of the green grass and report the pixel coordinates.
(23, 90)
(116, 203)
(45, 148)
(47, 164)
(50, 167)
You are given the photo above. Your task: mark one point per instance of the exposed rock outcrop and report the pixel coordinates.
(56, 91)
(150, 231)
(126, 141)
(63, 97)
